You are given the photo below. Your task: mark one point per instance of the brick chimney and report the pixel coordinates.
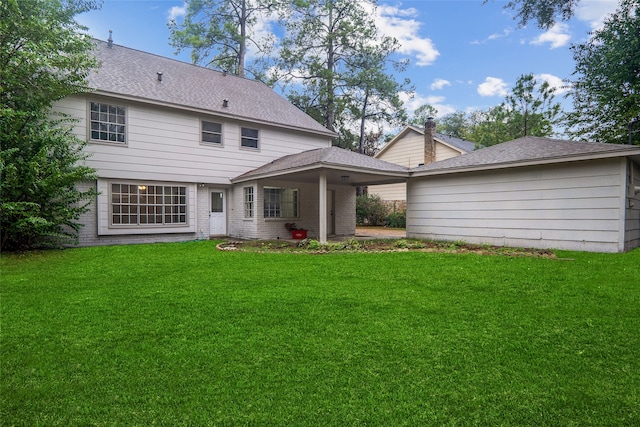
(429, 141)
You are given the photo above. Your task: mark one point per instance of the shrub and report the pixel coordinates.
(370, 210)
(397, 219)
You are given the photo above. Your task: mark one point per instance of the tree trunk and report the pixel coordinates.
(362, 122)
(242, 48)
(330, 67)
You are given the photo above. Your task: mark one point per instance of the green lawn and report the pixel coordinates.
(182, 334)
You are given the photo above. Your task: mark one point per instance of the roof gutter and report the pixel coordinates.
(318, 166)
(326, 133)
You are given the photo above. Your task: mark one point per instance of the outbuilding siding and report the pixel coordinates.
(570, 206)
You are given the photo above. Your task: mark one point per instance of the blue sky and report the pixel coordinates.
(463, 55)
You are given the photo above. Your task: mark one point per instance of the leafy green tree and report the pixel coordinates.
(529, 110)
(421, 114)
(375, 99)
(453, 124)
(332, 64)
(606, 89)
(44, 57)
(219, 33)
(489, 127)
(532, 107)
(544, 12)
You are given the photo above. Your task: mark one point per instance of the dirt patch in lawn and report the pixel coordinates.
(378, 245)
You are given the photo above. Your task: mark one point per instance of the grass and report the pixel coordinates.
(182, 334)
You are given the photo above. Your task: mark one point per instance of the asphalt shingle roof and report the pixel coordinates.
(529, 150)
(331, 156)
(462, 144)
(134, 74)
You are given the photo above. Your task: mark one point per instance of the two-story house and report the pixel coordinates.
(184, 152)
(173, 145)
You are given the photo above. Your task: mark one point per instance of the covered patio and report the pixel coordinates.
(325, 169)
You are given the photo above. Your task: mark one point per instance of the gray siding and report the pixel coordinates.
(164, 145)
(573, 206)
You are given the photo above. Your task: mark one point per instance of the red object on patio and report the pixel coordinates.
(299, 234)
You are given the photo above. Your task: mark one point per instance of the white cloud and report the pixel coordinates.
(177, 11)
(401, 24)
(439, 84)
(595, 12)
(557, 36)
(554, 81)
(493, 86)
(437, 102)
(504, 33)
(494, 36)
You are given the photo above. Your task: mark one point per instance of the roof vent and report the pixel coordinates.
(159, 76)
(110, 39)
(225, 103)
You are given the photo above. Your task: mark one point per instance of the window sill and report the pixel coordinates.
(114, 144)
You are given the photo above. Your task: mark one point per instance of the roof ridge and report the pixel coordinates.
(167, 58)
(131, 74)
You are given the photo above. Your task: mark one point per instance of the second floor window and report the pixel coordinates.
(108, 123)
(211, 132)
(249, 138)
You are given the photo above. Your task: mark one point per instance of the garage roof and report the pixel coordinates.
(524, 151)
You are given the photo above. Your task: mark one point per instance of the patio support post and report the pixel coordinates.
(322, 207)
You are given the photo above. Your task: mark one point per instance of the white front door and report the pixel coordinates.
(217, 213)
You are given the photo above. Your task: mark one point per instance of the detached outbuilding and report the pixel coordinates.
(531, 192)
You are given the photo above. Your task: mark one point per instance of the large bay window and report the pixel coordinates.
(281, 202)
(148, 205)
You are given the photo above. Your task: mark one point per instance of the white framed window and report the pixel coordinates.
(281, 202)
(211, 132)
(107, 123)
(147, 205)
(250, 138)
(248, 202)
